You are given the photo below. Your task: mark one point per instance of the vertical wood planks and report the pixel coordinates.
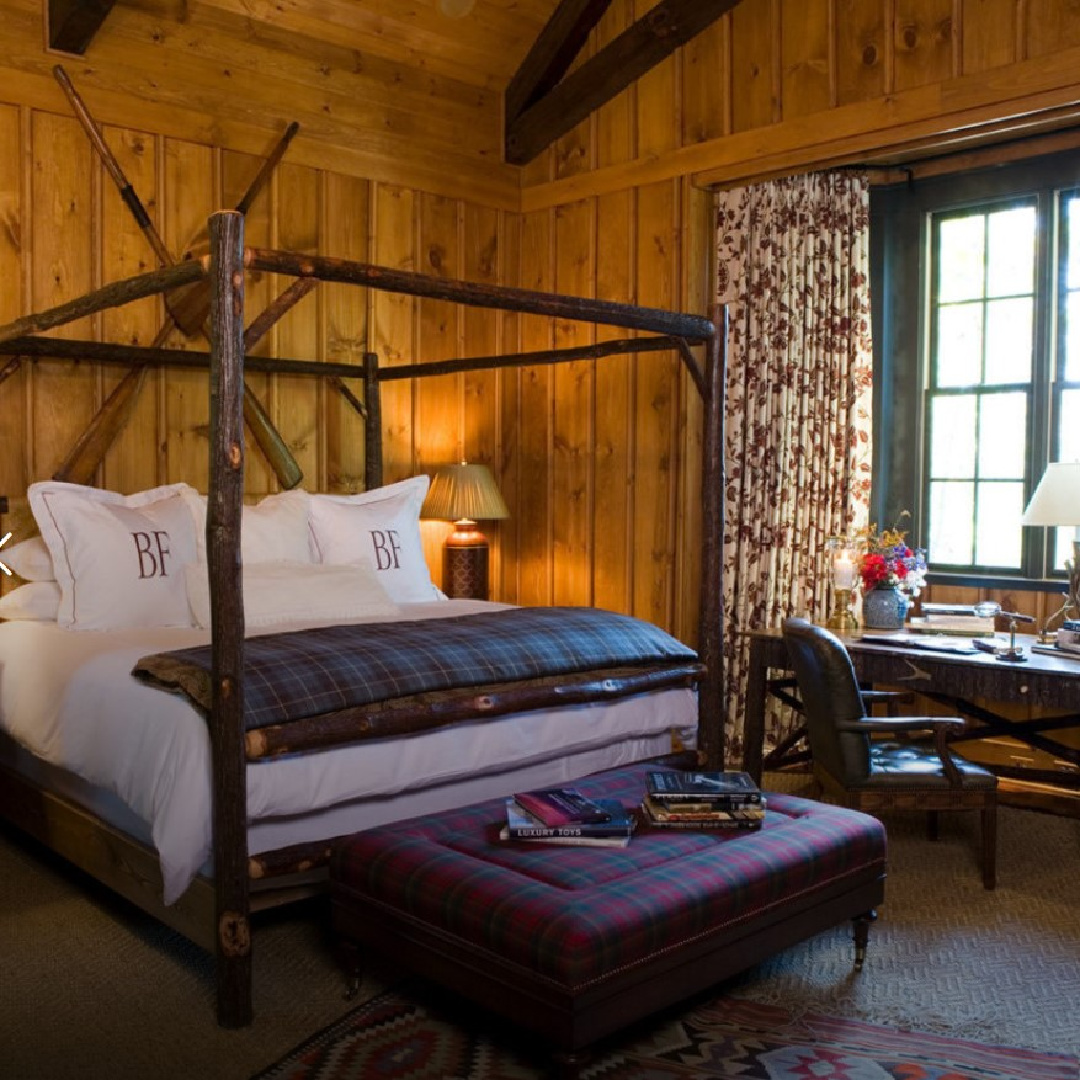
(481, 260)
(14, 247)
(345, 328)
(989, 34)
(806, 57)
(572, 441)
(438, 412)
(533, 514)
(923, 42)
(296, 210)
(63, 215)
(1052, 25)
(124, 253)
(861, 50)
(753, 57)
(191, 194)
(394, 325)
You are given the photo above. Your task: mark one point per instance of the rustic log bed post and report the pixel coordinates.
(230, 896)
(223, 510)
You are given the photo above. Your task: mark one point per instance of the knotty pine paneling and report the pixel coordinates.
(805, 57)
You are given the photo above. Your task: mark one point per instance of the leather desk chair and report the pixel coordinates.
(876, 775)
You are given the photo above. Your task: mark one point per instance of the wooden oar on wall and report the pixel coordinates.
(82, 463)
(189, 303)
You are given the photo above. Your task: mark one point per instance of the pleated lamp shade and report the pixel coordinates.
(464, 493)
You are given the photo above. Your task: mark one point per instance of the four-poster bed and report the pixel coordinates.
(215, 910)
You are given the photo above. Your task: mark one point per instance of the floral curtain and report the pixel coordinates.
(793, 269)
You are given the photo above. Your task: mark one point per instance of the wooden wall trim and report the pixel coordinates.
(961, 110)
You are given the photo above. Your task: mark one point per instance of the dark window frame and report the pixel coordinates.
(899, 260)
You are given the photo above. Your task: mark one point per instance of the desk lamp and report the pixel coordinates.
(465, 494)
(1056, 502)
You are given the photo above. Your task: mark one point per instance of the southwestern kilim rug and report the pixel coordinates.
(399, 1036)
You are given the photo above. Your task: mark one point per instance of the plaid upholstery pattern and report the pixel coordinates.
(304, 673)
(575, 914)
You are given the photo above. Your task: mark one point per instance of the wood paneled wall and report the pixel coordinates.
(398, 163)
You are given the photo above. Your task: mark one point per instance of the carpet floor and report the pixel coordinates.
(92, 989)
(413, 1036)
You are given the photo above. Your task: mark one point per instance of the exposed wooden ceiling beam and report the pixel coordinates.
(72, 24)
(552, 53)
(654, 37)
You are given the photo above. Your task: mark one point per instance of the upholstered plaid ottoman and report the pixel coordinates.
(573, 943)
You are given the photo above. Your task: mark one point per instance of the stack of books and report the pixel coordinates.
(704, 800)
(565, 816)
(1068, 637)
(959, 619)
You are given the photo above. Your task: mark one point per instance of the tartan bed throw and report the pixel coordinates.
(305, 673)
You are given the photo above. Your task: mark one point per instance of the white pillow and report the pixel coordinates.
(118, 558)
(380, 528)
(36, 600)
(273, 530)
(291, 592)
(30, 559)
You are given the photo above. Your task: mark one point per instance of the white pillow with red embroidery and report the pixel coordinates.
(119, 559)
(380, 528)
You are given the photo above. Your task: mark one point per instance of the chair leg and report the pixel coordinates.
(932, 824)
(989, 845)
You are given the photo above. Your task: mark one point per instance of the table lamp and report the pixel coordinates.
(465, 494)
(843, 558)
(1056, 502)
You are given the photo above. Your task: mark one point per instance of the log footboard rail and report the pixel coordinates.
(223, 269)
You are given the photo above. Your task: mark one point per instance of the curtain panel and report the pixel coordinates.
(793, 268)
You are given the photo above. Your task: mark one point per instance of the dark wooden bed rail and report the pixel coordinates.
(234, 871)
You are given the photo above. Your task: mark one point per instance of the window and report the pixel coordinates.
(976, 283)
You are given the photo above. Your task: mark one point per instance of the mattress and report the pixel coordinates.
(69, 698)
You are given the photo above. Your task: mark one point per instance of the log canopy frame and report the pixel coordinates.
(217, 914)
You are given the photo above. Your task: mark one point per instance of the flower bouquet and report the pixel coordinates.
(888, 563)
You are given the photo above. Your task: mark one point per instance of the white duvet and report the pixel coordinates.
(69, 698)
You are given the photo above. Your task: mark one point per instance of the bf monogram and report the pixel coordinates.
(387, 548)
(152, 549)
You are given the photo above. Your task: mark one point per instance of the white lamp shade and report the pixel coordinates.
(1057, 498)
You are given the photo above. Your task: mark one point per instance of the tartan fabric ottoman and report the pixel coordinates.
(574, 943)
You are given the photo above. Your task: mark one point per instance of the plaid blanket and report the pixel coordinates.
(305, 673)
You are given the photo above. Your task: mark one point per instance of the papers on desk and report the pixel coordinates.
(933, 642)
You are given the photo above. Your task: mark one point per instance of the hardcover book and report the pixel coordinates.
(561, 806)
(616, 830)
(724, 787)
(662, 814)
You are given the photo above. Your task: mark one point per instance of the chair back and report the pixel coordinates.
(830, 694)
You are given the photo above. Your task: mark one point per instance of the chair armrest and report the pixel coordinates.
(877, 697)
(940, 725)
(871, 724)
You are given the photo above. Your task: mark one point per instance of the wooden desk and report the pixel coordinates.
(954, 680)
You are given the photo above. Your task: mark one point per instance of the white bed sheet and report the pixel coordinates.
(69, 698)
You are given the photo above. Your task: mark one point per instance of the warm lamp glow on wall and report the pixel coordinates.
(465, 494)
(1056, 502)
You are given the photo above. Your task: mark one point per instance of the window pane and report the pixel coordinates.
(1063, 547)
(1069, 427)
(952, 437)
(998, 536)
(1002, 437)
(951, 523)
(960, 266)
(1072, 224)
(1011, 252)
(1072, 335)
(1008, 341)
(958, 357)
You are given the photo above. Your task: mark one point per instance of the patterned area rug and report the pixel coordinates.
(397, 1037)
